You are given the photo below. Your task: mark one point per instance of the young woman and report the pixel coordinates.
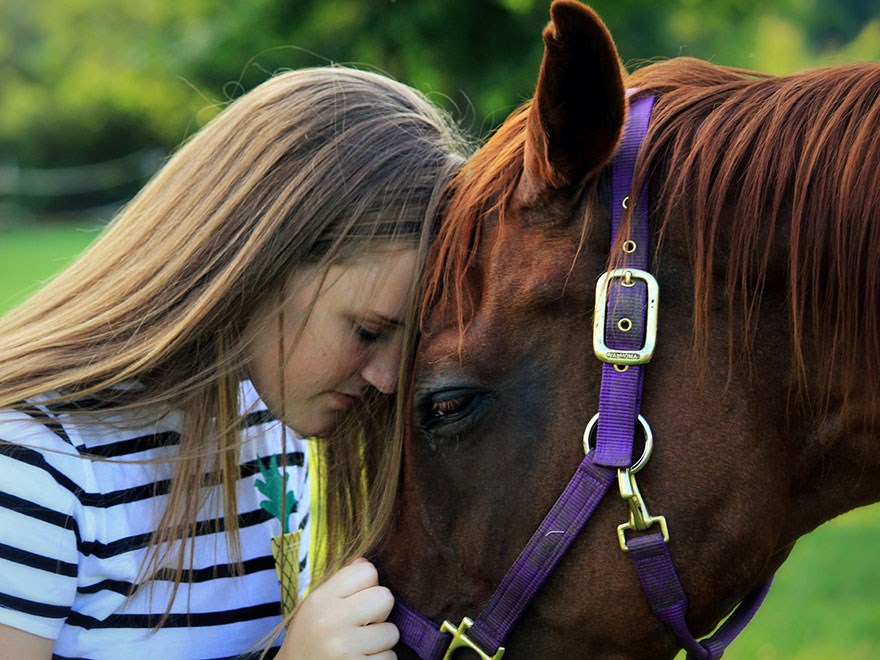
(156, 394)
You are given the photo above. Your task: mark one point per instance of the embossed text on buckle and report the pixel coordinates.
(625, 356)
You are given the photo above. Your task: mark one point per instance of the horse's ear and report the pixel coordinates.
(577, 115)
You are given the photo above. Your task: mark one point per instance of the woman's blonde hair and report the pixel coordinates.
(313, 167)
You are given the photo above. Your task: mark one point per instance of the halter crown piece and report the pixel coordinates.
(624, 333)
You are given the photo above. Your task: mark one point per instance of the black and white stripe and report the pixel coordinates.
(74, 533)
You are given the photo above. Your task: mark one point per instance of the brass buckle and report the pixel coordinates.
(629, 356)
(460, 639)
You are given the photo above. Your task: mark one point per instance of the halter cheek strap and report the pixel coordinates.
(623, 338)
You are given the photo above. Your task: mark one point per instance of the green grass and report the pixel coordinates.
(29, 255)
(825, 602)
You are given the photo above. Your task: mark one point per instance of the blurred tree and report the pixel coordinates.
(89, 80)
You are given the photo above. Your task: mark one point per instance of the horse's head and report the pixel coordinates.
(506, 381)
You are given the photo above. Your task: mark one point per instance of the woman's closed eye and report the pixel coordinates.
(370, 335)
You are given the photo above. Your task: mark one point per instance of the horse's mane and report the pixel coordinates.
(777, 177)
(773, 182)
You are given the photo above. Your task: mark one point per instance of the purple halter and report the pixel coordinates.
(623, 338)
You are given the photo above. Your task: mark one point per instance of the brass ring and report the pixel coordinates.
(624, 325)
(629, 246)
(625, 202)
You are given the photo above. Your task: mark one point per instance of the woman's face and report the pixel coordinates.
(351, 340)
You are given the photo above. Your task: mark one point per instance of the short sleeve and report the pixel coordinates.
(38, 525)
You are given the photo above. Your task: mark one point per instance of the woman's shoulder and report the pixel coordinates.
(41, 464)
(87, 427)
(36, 425)
(92, 428)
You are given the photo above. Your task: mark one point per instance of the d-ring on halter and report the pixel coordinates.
(600, 467)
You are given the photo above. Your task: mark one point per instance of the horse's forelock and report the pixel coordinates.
(481, 190)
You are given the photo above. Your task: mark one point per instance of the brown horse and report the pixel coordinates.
(762, 394)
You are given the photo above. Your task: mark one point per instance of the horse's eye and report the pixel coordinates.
(452, 411)
(444, 407)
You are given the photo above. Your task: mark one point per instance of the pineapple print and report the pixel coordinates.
(281, 502)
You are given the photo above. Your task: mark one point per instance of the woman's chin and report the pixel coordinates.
(316, 426)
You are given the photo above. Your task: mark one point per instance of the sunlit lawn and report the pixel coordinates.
(825, 603)
(30, 255)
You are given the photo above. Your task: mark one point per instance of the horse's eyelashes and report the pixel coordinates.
(452, 412)
(450, 406)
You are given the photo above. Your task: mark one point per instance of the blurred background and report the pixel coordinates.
(94, 94)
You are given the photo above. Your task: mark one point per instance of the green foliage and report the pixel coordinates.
(88, 80)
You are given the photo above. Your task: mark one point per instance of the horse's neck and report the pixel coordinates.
(837, 471)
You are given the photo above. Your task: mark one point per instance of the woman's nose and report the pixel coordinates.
(381, 369)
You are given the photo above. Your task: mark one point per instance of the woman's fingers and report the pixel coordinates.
(376, 638)
(345, 617)
(351, 579)
(372, 605)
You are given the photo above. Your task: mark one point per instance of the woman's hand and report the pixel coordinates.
(16, 644)
(344, 618)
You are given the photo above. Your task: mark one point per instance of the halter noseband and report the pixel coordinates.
(624, 332)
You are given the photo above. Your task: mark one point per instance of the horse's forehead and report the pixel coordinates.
(524, 272)
(530, 266)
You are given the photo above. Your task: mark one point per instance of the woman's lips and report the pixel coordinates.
(344, 400)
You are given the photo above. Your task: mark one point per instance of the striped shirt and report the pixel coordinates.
(74, 534)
